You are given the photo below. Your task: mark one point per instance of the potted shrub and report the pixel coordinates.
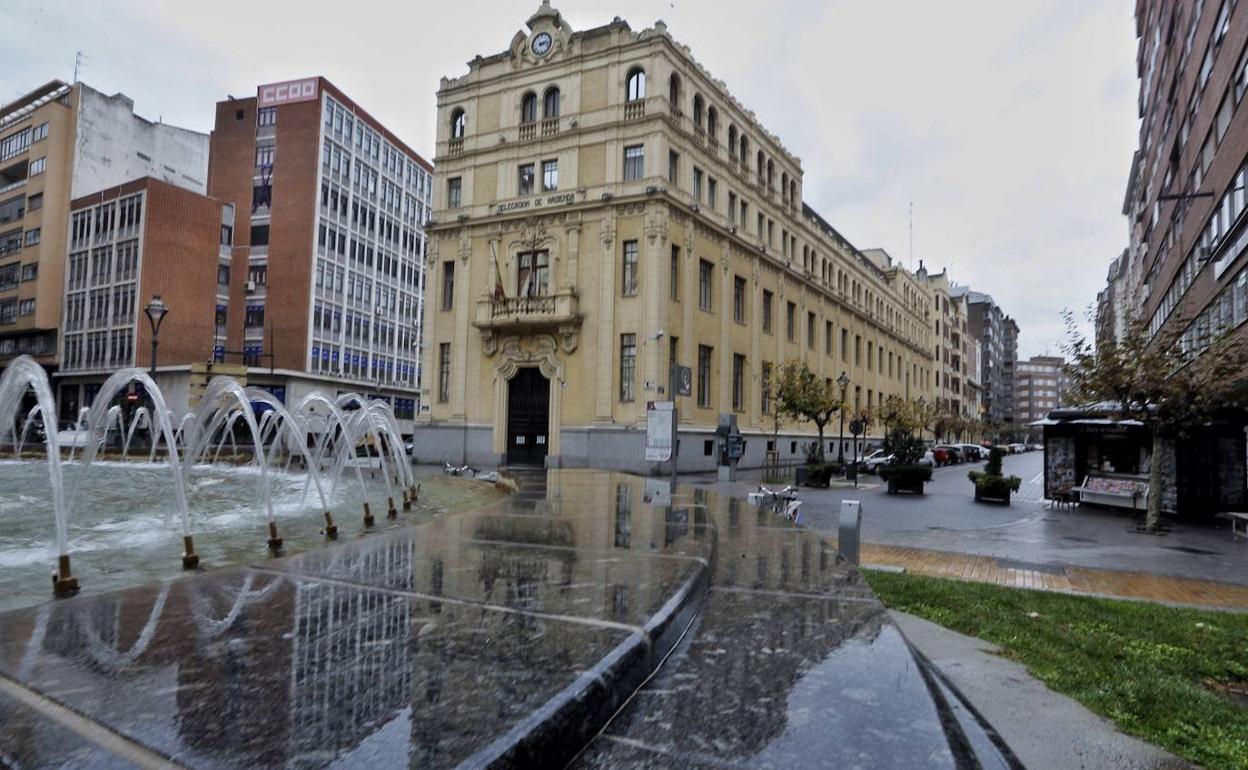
(816, 472)
(903, 423)
(909, 477)
(990, 485)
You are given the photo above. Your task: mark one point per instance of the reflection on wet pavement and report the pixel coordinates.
(502, 637)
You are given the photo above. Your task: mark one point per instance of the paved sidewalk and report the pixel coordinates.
(1043, 728)
(1058, 577)
(1029, 544)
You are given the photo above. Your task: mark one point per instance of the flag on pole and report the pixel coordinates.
(499, 292)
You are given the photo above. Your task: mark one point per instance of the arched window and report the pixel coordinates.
(784, 186)
(550, 103)
(528, 108)
(771, 173)
(636, 84)
(745, 149)
(761, 166)
(793, 192)
(459, 122)
(673, 92)
(712, 122)
(732, 142)
(698, 108)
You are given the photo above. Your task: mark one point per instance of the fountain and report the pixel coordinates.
(310, 444)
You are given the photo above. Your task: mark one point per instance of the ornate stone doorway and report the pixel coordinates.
(528, 417)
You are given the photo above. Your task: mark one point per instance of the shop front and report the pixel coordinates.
(1092, 456)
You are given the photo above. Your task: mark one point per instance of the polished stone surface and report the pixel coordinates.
(254, 670)
(771, 681)
(29, 739)
(506, 637)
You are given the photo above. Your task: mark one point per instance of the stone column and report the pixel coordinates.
(459, 345)
(653, 365)
(606, 321)
(726, 277)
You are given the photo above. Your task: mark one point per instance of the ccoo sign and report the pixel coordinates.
(290, 91)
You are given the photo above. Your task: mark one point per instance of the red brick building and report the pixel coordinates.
(327, 268)
(1186, 196)
(127, 244)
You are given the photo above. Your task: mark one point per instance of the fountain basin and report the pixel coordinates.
(502, 637)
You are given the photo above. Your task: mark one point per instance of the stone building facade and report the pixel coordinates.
(604, 208)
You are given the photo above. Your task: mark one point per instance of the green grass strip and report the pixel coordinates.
(1175, 677)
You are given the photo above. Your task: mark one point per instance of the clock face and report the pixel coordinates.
(541, 43)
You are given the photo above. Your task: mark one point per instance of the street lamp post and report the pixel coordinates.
(155, 311)
(843, 381)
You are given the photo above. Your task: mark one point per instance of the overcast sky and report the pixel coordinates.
(1010, 125)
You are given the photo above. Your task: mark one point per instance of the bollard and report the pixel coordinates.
(275, 542)
(850, 531)
(190, 559)
(64, 584)
(368, 515)
(391, 512)
(331, 529)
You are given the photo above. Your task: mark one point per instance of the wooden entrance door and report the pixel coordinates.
(528, 418)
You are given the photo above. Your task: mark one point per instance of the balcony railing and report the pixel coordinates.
(634, 110)
(455, 146)
(527, 131)
(518, 313)
(550, 126)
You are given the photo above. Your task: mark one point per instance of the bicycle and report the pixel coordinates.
(782, 502)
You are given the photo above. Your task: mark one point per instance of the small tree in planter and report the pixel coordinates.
(990, 485)
(903, 423)
(804, 395)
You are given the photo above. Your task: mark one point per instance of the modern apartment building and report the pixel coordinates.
(327, 276)
(127, 245)
(951, 347)
(986, 323)
(1040, 387)
(1185, 200)
(58, 143)
(1009, 359)
(604, 209)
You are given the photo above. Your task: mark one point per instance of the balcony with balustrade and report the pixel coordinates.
(557, 313)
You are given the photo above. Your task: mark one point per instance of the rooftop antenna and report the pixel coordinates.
(79, 63)
(912, 235)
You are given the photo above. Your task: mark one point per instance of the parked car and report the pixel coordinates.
(955, 454)
(72, 435)
(939, 456)
(972, 452)
(872, 462)
(1017, 448)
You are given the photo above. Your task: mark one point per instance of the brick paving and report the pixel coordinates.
(1059, 577)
